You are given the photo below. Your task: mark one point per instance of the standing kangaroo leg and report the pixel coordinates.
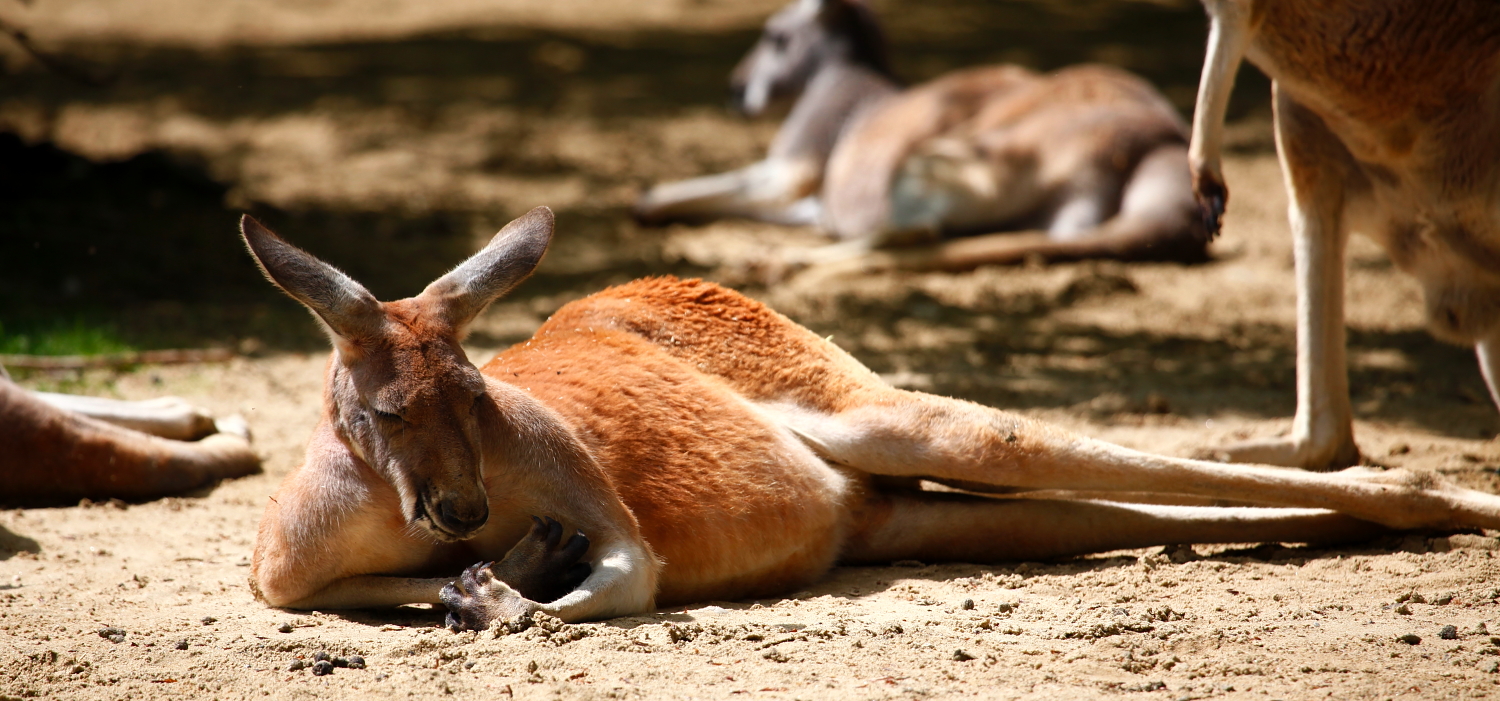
(1313, 161)
(1488, 351)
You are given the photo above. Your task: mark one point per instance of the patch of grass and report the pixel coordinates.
(75, 336)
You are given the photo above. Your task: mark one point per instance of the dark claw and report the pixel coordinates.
(576, 547)
(554, 533)
(1212, 197)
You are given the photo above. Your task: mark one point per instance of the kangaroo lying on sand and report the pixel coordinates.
(1387, 123)
(1087, 162)
(709, 448)
(59, 448)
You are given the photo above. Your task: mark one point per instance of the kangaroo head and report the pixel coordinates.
(799, 40)
(401, 393)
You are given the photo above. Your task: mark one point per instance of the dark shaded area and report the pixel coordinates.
(147, 248)
(146, 245)
(12, 543)
(634, 73)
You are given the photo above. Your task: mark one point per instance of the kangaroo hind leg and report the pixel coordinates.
(886, 431)
(965, 528)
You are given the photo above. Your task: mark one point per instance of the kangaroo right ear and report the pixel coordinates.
(510, 257)
(347, 310)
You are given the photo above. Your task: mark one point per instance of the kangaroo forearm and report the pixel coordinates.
(373, 591)
(1227, 39)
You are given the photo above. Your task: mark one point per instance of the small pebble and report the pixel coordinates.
(339, 662)
(285, 628)
(470, 664)
(1448, 633)
(182, 645)
(207, 620)
(296, 665)
(321, 656)
(322, 667)
(356, 662)
(967, 605)
(961, 656)
(1489, 666)
(112, 634)
(1410, 639)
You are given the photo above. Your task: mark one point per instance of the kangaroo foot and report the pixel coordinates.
(1287, 452)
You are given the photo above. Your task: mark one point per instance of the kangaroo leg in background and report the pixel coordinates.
(1316, 167)
(167, 417)
(778, 191)
(50, 455)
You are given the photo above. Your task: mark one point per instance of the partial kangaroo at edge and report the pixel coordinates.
(58, 448)
(1387, 122)
(668, 441)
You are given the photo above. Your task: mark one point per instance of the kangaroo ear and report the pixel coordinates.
(347, 310)
(509, 258)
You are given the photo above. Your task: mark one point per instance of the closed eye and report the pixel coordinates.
(387, 416)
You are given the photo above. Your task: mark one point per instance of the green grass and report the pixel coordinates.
(76, 336)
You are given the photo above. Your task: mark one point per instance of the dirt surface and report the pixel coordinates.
(396, 180)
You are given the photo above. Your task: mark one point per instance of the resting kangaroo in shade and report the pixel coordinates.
(669, 441)
(58, 448)
(1387, 123)
(1087, 162)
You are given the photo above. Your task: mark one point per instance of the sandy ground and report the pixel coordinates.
(1160, 357)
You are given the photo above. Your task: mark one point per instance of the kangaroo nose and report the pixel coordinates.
(463, 516)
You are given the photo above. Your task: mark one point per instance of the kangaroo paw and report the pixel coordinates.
(542, 567)
(477, 598)
(1212, 196)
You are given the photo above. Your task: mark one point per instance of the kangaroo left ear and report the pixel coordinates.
(509, 258)
(349, 313)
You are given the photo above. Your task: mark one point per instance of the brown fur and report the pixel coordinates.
(709, 448)
(1386, 117)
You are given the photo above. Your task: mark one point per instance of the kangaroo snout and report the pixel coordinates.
(458, 517)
